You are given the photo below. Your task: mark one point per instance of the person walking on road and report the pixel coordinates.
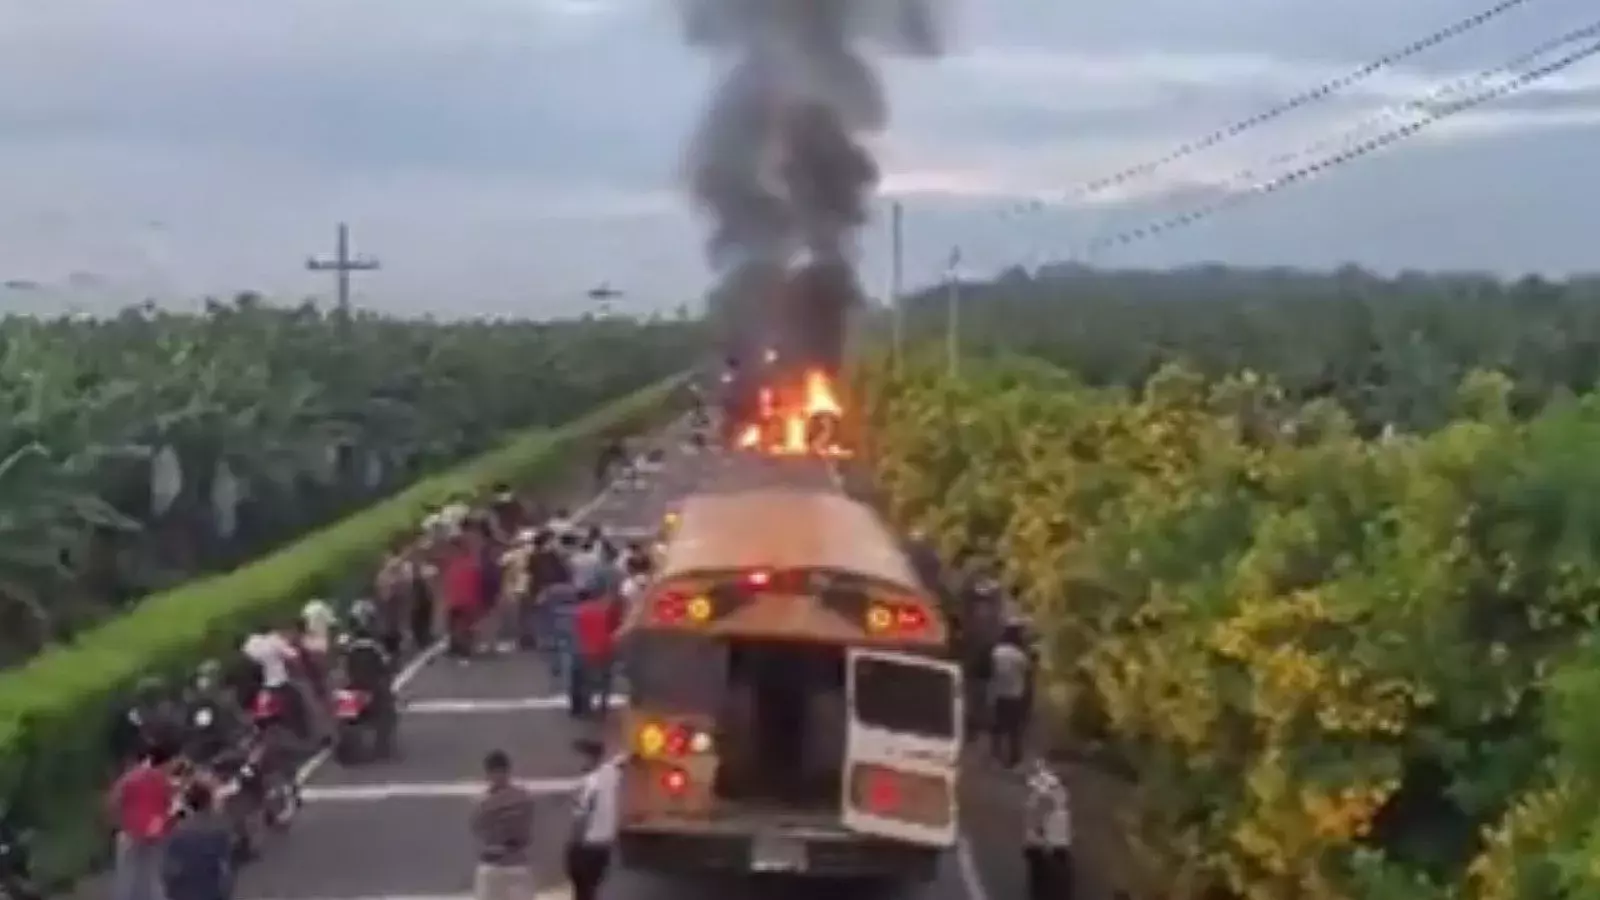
(502, 824)
(515, 591)
(1047, 845)
(594, 625)
(594, 821)
(463, 583)
(141, 805)
(1010, 669)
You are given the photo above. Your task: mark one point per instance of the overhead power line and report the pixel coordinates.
(1312, 95)
(1396, 114)
(1433, 115)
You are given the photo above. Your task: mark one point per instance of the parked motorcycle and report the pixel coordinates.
(255, 797)
(270, 715)
(364, 731)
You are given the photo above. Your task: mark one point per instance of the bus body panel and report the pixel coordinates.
(723, 586)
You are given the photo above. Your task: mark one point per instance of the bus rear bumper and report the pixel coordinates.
(722, 853)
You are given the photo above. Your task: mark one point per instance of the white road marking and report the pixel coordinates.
(967, 867)
(511, 704)
(558, 892)
(421, 790)
(414, 668)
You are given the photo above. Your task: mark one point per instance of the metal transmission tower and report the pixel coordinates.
(341, 265)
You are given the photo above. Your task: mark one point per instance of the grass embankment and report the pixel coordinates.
(54, 711)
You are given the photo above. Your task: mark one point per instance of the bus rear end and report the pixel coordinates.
(845, 767)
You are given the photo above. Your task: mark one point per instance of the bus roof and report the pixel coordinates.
(784, 528)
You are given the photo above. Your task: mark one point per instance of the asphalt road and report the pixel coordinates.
(398, 829)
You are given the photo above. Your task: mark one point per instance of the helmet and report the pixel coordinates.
(363, 613)
(150, 688)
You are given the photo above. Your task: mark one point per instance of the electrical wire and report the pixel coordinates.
(1432, 116)
(1312, 95)
(1397, 114)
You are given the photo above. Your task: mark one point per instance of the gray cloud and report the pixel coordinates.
(503, 154)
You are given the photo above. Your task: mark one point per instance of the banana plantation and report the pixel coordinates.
(141, 450)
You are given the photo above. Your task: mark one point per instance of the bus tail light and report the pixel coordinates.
(887, 619)
(675, 782)
(907, 796)
(758, 578)
(676, 609)
(698, 610)
(881, 793)
(670, 609)
(656, 741)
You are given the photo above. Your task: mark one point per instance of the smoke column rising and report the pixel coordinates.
(779, 160)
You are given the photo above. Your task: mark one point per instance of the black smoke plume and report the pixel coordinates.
(780, 163)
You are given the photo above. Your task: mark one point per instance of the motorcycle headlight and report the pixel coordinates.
(203, 718)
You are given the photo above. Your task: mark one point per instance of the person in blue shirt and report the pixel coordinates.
(198, 863)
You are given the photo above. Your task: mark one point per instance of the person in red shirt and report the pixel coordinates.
(141, 804)
(462, 580)
(594, 625)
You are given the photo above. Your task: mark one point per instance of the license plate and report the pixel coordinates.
(777, 853)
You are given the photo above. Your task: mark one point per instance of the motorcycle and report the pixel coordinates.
(270, 716)
(255, 796)
(363, 731)
(16, 866)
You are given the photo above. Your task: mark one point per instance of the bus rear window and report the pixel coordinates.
(674, 672)
(909, 699)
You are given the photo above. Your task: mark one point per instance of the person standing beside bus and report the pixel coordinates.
(1008, 686)
(594, 623)
(594, 822)
(1047, 845)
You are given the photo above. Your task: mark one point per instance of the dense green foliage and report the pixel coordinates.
(1340, 668)
(140, 450)
(55, 711)
(1391, 350)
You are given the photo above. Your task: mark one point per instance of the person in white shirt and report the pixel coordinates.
(633, 587)
(1010, 671)
(594, 821)
(585, 564)
(272, 653)
(1047, 843)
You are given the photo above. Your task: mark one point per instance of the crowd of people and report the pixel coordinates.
(998, 649)
(498, 578)
(491, 579)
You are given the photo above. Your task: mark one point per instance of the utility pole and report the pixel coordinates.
(896, 274)
(341, 265)
(952, 333)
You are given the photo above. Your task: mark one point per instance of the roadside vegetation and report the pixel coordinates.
(141, 450)
(1316, 560)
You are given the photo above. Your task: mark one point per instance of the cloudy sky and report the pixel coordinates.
(501, 156)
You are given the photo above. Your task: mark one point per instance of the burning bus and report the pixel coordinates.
(800, 417)
(782, 395)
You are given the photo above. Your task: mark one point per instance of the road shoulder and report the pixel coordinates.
(992, 818)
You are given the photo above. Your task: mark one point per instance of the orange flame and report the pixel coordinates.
(797, 423)
(820, 398)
